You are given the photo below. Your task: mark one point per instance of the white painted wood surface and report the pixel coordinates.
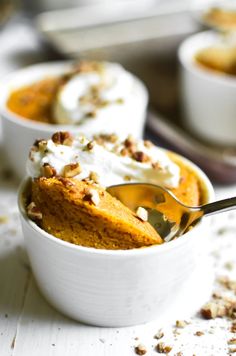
(31, 327)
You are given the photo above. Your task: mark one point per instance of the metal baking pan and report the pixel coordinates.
(118, 31)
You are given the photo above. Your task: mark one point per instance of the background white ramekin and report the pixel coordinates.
(121, 288)
(208, 97)
(19, 134)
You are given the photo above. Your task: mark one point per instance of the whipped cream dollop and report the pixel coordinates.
(104, 160)
(97, 90)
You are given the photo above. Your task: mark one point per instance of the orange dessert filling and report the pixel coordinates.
(220, 59)
(34, 102)
(89, 216)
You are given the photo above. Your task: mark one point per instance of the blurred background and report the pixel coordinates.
(143, 35)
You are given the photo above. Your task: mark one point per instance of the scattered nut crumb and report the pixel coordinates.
(162, 348)
(232, 341)
(211, 310)
(227, 283)
(222, 231)
(159, 335)
(176, 332)
(140, 349)
(199, 333)
(181, 323)
(142, 213)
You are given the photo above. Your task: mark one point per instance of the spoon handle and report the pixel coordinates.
(219, 206)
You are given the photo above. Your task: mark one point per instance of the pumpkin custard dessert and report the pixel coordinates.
(95, 96)
(68, 199)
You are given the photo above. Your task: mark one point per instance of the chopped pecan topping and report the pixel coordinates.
(113, 138)
(127, 178)
(66, 182)
(232, 341)
(140, 349)
(48, 171)
(42, 145)
(104, 138)
(92, 195)
(31, 153)
(89, 66)
(36, 142)
(140, 156)
(90, 145)
(129, 142)
(124, 152)
(148, 143)
(71, 170)
(62, 138)
(142, 214)
(94, 177)
(156, 165)
(33, 212)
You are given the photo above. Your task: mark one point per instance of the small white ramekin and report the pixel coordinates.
(208, 97)
(122, 287)
(19, 134)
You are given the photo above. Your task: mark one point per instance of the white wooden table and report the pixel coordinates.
(30, 327)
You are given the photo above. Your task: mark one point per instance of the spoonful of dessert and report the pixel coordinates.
(163, 210)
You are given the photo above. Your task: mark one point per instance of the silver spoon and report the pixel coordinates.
(166, 213)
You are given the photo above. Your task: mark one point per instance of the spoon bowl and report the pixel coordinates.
(166, 213)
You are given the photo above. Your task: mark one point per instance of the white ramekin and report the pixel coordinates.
(208, 97)
(19, 134)
(122, 287)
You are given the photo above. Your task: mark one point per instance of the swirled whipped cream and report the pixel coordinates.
(99, 90)
(105, 160)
